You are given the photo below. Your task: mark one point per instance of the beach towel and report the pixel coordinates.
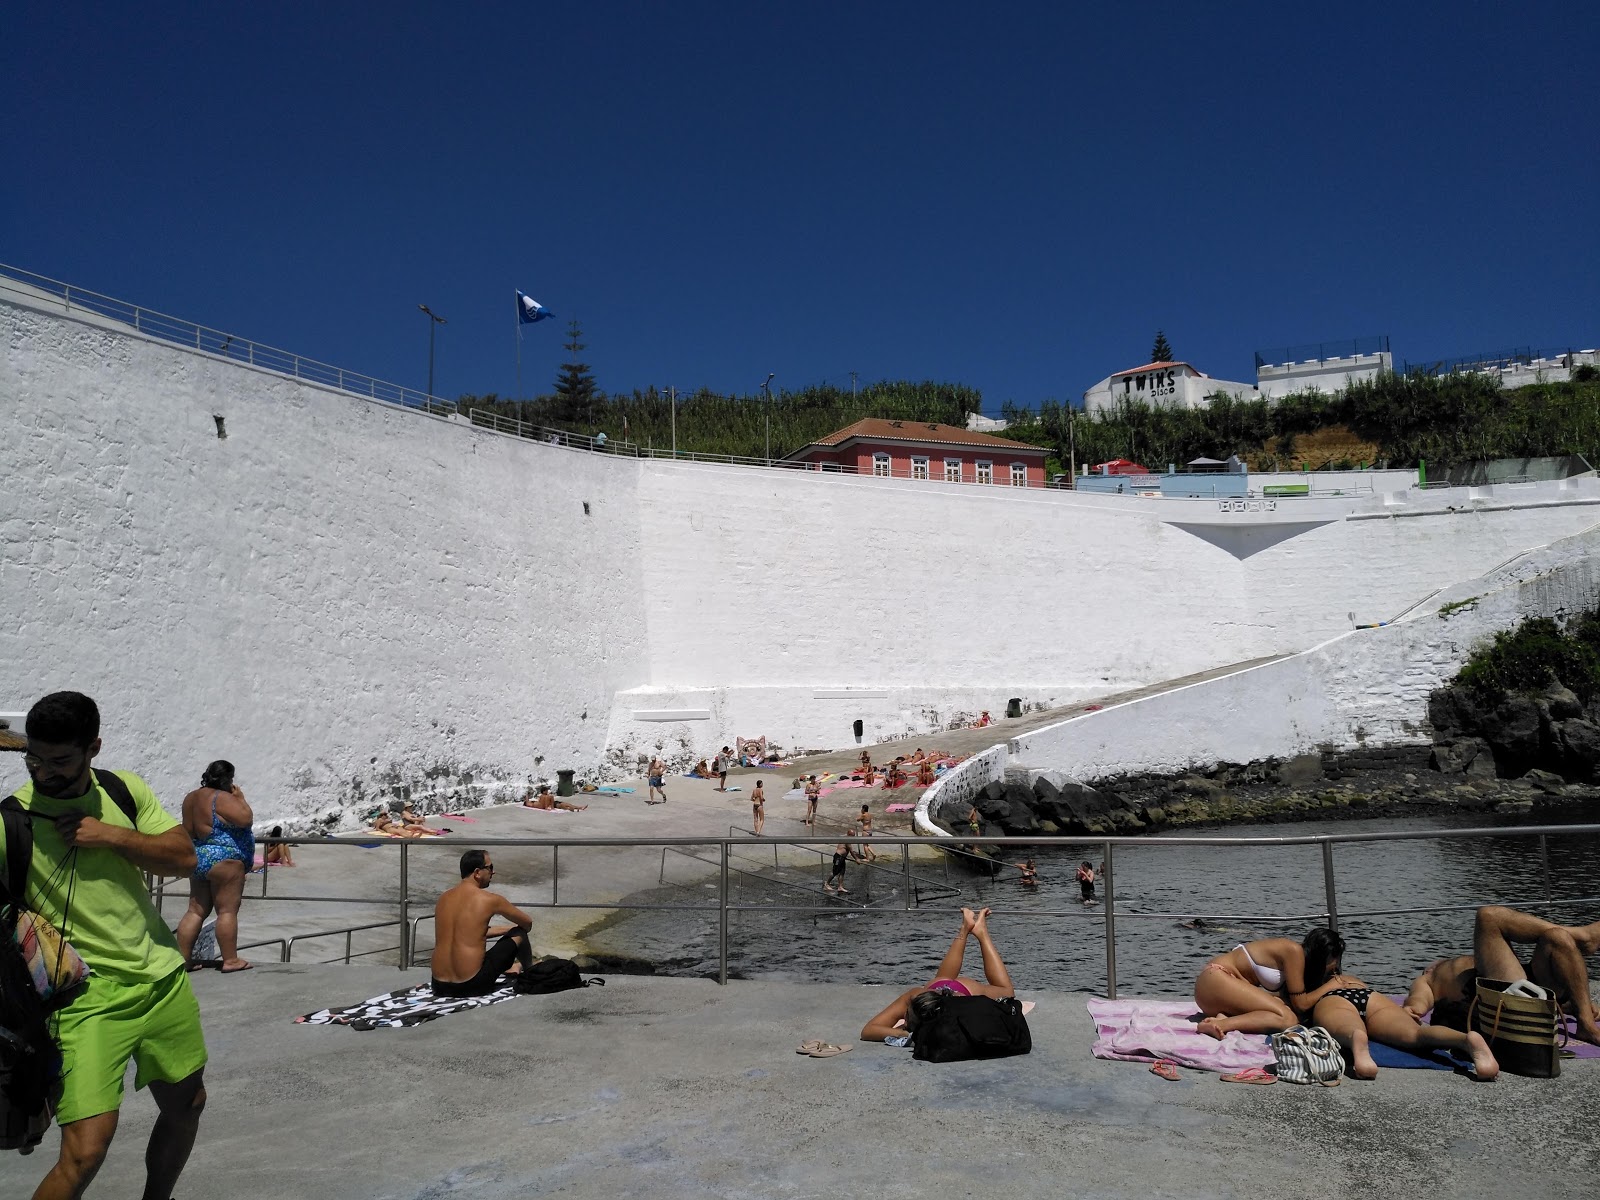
(261, 863)
(458, 817)
(397, 1010)
(615, 791)
(1146, 1030)
(901, 808)
(733, 787)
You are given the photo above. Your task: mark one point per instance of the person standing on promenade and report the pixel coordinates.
(85, 879)
(720, 768)
(758, 807)
(461, 966)
(217, 817)
(657, 774)
(813, 794)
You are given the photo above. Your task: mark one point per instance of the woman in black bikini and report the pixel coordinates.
(1357, 1014)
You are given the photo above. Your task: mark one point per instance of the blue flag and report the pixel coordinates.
(530, 310)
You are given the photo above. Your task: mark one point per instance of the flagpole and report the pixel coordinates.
(517, 304)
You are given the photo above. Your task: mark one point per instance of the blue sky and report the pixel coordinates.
(1014, 197)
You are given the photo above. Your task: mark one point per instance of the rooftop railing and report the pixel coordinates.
(724, 863)
(1288, 356)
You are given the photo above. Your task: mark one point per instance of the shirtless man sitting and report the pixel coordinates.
(461, 965)
(1556, 963)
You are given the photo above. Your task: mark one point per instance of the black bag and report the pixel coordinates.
(552, 975)
(30, 1060)
(973, 1027)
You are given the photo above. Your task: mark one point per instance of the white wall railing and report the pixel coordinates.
(958, 786)
(232, 347)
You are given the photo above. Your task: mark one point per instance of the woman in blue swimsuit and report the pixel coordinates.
(218, 819)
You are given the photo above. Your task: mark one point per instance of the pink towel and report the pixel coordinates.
(901, 808)
(1145, 1030)
(458, 817)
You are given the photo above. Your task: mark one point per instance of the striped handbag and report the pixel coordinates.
(1525, 1032)
(1308, 1054)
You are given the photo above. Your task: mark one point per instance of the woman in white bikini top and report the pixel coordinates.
(1244, 989)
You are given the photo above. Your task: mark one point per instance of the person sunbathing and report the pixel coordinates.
(702, 770)
(544, 800)
(1557, 962)
(925, 773)
(386, 824)
(1243, 990)
(921, 1004)
(1357, 1015)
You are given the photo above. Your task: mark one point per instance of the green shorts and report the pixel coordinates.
(155, 1024)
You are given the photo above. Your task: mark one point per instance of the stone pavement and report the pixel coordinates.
(678, 1087)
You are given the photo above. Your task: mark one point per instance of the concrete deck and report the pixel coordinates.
(670, 1087)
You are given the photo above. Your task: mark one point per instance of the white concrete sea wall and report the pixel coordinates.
(347, 598)
(341, 597)
(1368, 687)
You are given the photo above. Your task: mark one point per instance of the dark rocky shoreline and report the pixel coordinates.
(1391, 782)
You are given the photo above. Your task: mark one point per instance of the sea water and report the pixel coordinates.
(1050, 940)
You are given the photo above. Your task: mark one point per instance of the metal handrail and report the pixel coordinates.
(193, 336)
(725, 905)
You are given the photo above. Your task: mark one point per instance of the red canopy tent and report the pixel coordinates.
(1121, 466)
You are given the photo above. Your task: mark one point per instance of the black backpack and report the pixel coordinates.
(552, 975)
(30, 1060)
(973, 1027)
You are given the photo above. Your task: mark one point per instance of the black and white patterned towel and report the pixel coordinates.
(408, 1006)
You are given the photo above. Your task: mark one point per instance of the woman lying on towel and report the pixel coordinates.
(1357, 1014)
(386, 824)
(1244, 989)
(921, 1003)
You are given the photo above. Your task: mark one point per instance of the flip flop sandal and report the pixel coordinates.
(1258, 1075)
(809, 1046)
(826, 1050)
(1165, 1068)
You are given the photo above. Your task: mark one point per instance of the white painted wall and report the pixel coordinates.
(343, 594)
(1367, 687)
(338, 594)
(1320, 375)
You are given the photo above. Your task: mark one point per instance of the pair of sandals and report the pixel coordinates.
(1168, 1070)
(815, 1049)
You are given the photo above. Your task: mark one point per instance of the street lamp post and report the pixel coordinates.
(767, 388)
(672, 398)
(433, 321)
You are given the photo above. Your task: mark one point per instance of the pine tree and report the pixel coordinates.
(1162, 350)
(575, 387)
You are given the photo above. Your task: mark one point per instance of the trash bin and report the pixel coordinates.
(564, 783)
(1014, 706)
(858, 730)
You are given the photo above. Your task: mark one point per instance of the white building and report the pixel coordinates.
(1171, 384)
(1329, 375)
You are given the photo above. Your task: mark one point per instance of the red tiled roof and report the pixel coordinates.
(878, 429)
(1157, 367)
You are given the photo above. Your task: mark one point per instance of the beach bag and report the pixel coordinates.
(1522, 1023)
(1308, 1054)
(973, 1027)
(552, 975)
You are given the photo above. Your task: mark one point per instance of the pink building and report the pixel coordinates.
(922, 450)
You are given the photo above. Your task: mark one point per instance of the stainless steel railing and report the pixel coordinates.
(725, 904)
(231, 346)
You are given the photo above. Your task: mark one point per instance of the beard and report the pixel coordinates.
(59, 788)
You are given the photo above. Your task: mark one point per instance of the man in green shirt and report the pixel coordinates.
(137, 1004)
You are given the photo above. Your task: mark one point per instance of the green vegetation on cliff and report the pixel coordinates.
(1398, 419)
(1530, 656)
(709, 423)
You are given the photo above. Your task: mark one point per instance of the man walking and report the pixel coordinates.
(461, 966)
(137, 1004)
